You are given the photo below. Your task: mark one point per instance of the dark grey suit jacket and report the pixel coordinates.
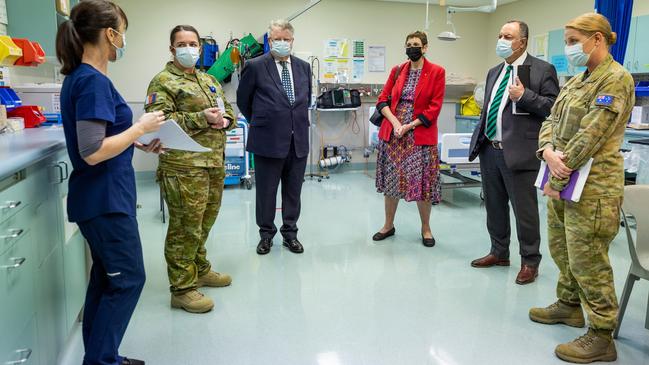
(520, 133)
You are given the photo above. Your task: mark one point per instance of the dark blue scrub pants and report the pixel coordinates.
(116, 281)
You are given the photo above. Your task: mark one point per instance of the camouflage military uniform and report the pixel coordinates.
(588, 120)
(192, 183)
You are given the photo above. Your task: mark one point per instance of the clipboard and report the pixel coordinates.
(523, 73)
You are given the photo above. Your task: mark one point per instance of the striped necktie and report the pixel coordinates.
(494, 108)
(286, 82)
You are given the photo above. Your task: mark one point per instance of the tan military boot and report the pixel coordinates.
(214, 279)
(559, 312)
(593, 346)
(192, 301)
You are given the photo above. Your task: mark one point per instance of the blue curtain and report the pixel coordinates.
(618, 13)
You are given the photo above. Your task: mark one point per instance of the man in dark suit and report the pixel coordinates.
(274, 95)
(506, 141)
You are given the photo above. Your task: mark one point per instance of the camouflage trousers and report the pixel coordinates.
(193, 195)
(579, 236)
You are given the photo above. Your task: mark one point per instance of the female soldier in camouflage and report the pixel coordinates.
(192, 183)
(587, 121)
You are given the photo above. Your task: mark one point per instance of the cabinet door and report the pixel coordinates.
(629, 55)
(641, 60)
(50, 306)
(74, 272)
(35, 20)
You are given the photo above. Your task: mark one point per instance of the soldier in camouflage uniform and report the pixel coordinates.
(587, 121)
(191, 182)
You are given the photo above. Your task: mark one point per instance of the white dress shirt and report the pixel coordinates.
(499, 124)
(290, 71)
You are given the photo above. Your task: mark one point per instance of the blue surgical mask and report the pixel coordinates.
(576, 55)
(281, 48)
(187, 56)
(119, 51)
(504, 48)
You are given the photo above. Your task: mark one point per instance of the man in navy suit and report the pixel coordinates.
(274, 95)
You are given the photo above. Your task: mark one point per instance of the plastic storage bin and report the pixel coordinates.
(9, 98)
(9, 51)
(33, 54)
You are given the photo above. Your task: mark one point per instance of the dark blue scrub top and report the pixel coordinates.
(108, 187)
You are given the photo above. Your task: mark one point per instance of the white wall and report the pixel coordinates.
(540, 16)
(378, 23)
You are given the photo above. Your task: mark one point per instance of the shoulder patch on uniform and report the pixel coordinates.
(604, 100)
(151, 98)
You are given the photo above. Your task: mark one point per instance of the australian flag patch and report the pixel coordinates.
(604, 100)
(151, 98)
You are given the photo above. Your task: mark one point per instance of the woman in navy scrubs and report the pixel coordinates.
(100, 137)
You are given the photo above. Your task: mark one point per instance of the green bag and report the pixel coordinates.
(223, 66)
(249, 46)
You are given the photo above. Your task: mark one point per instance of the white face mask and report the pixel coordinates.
(281, 48)
(576, 55)
(119, 51)
(504, 48)
(187, 56)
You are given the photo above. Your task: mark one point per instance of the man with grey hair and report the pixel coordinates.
(274, 95)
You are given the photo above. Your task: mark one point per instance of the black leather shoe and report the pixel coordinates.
(264, 246)
(378, 236)
(294, 245)
(126, 361)
(428, 242)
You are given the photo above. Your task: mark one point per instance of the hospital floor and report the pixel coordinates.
(350, 301)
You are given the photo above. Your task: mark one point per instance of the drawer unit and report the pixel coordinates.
(13, 195)
(22, 346)
(17, 287)
(13, 228)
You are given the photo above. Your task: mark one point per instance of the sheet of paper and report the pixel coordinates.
(376, 59)
(358, 69)
(220, 104)
(173, 137)
(358, 48)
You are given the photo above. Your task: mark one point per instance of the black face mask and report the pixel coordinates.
(414, 53)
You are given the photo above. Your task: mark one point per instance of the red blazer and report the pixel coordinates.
(429, 95)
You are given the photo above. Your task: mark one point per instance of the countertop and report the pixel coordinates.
(22, 149)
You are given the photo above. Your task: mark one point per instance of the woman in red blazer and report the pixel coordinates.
(408, 160)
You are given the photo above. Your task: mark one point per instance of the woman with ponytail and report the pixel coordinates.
(100, 137)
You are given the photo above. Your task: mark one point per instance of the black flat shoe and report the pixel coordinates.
(294, 245)
(126, 361)
(378, 236)
(264, 246)
(428, 242)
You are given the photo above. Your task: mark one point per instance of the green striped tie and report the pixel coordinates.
(492, 116)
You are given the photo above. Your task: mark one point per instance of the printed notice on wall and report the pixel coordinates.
(376, 58)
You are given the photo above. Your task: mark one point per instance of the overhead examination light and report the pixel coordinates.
(452, 35)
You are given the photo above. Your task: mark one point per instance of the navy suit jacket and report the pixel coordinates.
(273, 120)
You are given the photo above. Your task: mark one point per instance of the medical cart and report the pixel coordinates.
(237, 159)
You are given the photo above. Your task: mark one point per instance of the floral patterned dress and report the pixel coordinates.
(405, 170)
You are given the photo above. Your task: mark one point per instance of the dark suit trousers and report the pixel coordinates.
(501, 186)
(269, 172)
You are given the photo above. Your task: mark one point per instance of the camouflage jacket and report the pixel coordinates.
(588, 120)
(183, 97)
